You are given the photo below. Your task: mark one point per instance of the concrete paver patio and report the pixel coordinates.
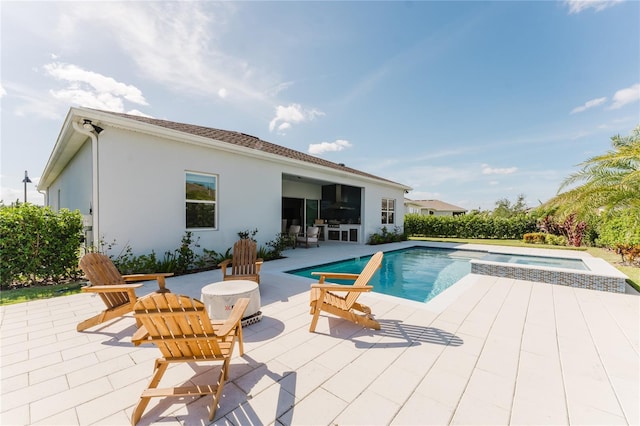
(487, 351)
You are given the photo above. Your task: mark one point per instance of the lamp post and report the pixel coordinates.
(26, 180)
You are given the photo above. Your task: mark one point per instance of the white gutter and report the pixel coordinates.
(95, 211)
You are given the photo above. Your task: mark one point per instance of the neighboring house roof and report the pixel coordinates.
(435, 205)
(231, 137)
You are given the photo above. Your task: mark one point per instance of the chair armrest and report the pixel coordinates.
(234, 318)
(158, 276)
(140, 336)
(146, 277)
(336, 275)
(115, 288)
(338, 287)
(259, 261)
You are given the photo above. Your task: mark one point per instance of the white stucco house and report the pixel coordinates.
(432, 208)
(145, 182)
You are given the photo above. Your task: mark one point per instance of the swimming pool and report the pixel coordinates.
(416, 273)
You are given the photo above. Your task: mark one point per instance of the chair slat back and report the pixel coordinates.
(245, 254)
(365, 276)
(100, 270)
(179, 326)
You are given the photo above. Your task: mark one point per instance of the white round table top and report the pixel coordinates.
(224, 288)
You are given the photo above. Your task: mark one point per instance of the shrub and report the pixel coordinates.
(555, 240)
(619, 227)
(469, 226)
(534, 238)
(38, 244)
(387, 237)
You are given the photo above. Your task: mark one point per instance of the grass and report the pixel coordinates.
(614, 259)
(26, 294)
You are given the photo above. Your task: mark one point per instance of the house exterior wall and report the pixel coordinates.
(372, 220)
(438, 213)
(142, 193)
(72, 188)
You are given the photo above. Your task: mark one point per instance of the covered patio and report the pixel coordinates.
(486, 351)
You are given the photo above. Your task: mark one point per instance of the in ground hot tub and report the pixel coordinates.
(582, 272)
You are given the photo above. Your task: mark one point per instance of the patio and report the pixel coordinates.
(487, 351)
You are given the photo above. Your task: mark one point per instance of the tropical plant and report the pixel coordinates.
(607, 181)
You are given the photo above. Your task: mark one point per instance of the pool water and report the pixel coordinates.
(416, 273)
(553, 262)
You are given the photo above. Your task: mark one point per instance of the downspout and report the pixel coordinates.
(95, 199)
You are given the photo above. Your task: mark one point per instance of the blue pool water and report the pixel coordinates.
(416, 273)
(553, 262)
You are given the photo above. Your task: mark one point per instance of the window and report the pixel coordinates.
(388, 211)
(201, 200)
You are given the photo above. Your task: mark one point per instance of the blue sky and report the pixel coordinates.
(466, 102)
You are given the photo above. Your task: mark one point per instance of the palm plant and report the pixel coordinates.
(608, 181)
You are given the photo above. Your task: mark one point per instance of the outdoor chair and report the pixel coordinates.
(310, 237)
(245, 265)
(294, 231)
(323, 295)
(114, 289)
(181, 329)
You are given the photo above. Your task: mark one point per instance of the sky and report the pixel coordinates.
(465, 102)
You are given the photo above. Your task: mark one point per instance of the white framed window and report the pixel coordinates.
(388, 211)
(201, 195)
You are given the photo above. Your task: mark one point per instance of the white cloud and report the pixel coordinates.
(84, 82)
(3, 92)
(292, 114)
(178, 44)
(322, 147)
(589, 104)
(223, 93)
(486, 170)
(577, 6)
(626, 96)
(138, 113)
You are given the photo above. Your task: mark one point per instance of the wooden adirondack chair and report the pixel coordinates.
(323, 296)
(113, 288)
(180, 327)
(245, 265)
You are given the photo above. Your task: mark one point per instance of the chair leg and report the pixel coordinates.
(314, 320)
(160, 368)
(215, 398)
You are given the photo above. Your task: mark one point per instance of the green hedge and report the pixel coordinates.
(469, 226)
(619, 228)
(38, 244)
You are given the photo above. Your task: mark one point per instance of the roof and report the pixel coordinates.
(436, 205)
(235, 138)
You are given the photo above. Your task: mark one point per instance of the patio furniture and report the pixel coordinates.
(180, 327)
(245, 265)
(323, 296)
(219, 299)
(113, 288)
(294, 231)
(310, 237)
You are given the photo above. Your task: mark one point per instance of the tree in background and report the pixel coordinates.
(504, 208)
